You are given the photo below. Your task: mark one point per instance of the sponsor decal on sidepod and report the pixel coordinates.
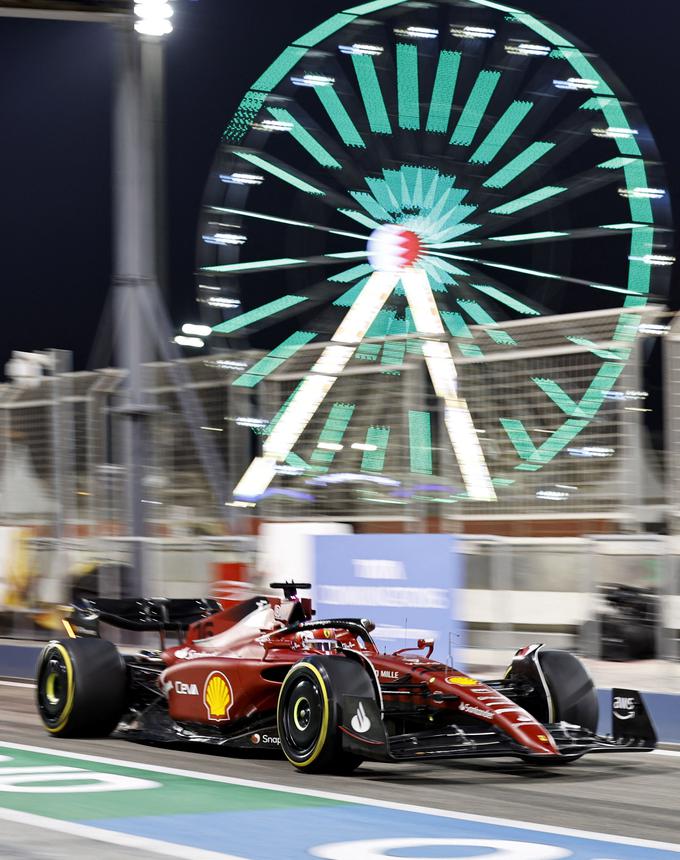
(186, 689)
(191, 654)
(476, 712)
(218, 696)
(461, 681)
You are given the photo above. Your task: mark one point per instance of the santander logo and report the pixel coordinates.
(392, 248)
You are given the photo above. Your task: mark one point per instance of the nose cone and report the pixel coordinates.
(392, 248)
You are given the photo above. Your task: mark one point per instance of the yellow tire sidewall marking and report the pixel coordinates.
(323, 733)
(70, 688)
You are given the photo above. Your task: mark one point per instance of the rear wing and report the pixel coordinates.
(139, 614)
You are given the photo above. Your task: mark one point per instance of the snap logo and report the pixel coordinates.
(217, 696)
(360, 722)
(186, 689)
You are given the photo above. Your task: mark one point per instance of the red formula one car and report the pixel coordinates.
(264, 674)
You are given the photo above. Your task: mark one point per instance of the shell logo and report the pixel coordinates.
(218, 696)
(461, 681)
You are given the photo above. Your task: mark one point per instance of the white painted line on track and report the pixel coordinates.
(667, 752)
(111, 837)
(17, 684)
(351, 798)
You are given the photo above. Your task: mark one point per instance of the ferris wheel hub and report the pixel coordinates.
(393, 247)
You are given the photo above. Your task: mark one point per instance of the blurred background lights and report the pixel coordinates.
(198, 330)
(154, 17)
(615, 133)
(241, 178)
(576, 84)
(526, 49)
(309, 80)
(467, 32)
(643, 193)
(356, 48)
(418, 33)
(194, 342)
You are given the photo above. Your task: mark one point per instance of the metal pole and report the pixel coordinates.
(134, 273)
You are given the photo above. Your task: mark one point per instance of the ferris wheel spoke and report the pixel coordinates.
(255, 266)
(500, 293)
(511, 240)
(305, 138)
(544, 199)
(339, 116)
(371, 93)
(445, 81)
(293, 176)
(249, 213)
(475, 108)
(501, 132)
(567, 279)
(517, 166)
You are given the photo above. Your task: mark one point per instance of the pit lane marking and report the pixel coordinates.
(113, 837)
(343, 798)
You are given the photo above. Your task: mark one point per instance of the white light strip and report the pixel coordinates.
(333, 360)
(421, 300)
(257, 477)
(441, 368)
(366, 308)
(468, 451)
(444, 377)
(315, 387)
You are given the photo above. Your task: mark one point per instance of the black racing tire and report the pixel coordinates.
(573, 694)
(571, 688)
(309, 712)
(81, 687)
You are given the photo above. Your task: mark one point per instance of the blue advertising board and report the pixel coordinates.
(406, 584)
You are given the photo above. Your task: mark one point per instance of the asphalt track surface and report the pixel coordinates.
(634, 796)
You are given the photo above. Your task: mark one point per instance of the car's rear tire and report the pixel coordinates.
(310, 712)
(81, 687)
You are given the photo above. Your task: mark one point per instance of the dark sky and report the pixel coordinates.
(55, 155)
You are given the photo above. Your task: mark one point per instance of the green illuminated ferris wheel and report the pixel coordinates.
(421, 168)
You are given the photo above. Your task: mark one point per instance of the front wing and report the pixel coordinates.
(632, 731)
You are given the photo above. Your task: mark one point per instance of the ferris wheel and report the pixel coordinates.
(421, 168)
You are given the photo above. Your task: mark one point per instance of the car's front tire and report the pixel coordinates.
(310, 713)
(81, 687)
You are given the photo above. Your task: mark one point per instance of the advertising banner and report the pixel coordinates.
(405, 584)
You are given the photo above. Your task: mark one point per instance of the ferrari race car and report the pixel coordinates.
(265, 674)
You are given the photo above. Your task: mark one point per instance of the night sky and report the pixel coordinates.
(55, 104)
